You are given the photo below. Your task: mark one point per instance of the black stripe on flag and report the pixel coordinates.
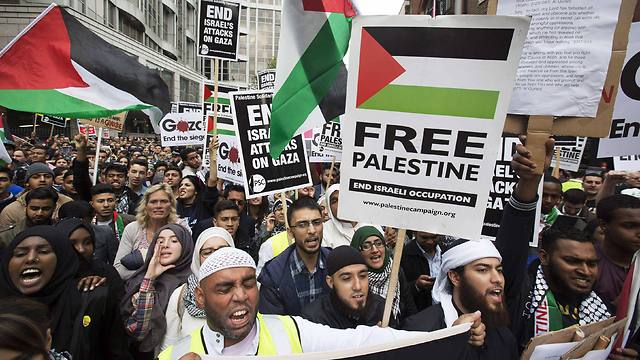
(224, 120)
(113, 66)
(333, 104)
(458, 43)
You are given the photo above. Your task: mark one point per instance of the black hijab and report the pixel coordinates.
(60, 293)
(87, 266)
(164, 285)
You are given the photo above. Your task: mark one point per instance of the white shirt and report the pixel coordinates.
(313, 338)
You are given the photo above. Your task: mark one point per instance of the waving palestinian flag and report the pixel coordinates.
(57, 66)
(311, 75)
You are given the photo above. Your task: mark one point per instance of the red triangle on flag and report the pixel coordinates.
(207, 92)
(377, 68)
(40, 59)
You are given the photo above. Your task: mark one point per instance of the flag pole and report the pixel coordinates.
(216, 72)
(333, 163)
(51, 132)
(95, 159)
(283, 199)
(393, 281)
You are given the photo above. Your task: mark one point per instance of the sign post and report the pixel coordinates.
(95, 160)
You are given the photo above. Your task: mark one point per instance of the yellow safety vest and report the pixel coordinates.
(278, 335)
(279, 242)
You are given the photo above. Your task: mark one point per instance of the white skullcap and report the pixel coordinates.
(631, 192)
(461, 255)
(202, 238)
(225, 258)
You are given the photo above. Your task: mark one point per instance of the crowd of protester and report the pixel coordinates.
(160, 258)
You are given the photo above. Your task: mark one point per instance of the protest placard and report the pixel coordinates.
(545, 124)
(424, 119)
(566, 55)
(266, 79)
(224, 102)
(502, 186)
(571, 150)
(178, 129)
(263, 175)
(115, 122)
(228, 157)
(626, 163)
(218, 29)
(51, 120)
(326, 143)
(185, 107)
(88, 130)
(624, 136)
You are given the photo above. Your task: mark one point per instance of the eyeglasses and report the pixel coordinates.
(239, 202)
(366, 246)
(303, 225)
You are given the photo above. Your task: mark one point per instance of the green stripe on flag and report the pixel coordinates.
(224, 132)
(221, 100)
(309, 81)
(53, 102)
(435, 101)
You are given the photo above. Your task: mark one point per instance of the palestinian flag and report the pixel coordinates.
(5, 159)
(3, 136)
(57, 66)
(389, 70)
(224, 126)
(224, 100)
(311, 75)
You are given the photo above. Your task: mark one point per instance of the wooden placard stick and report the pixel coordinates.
(393, 280)
(283, 198)
(538, 132)
(333, 164)
(556, 168)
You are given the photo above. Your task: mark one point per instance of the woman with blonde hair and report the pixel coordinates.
(157, 208)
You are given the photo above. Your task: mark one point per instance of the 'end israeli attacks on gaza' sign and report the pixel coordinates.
(218, 29)
(424, 119)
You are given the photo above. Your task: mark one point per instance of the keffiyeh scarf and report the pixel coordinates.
(379, 285)
(543, 307)
(190, 299)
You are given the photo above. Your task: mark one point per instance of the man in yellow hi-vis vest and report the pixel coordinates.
(228, 293)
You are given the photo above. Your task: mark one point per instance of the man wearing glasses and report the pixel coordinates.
(296, 277)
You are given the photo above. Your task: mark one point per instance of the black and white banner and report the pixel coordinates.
(218, 30)
(266, 79)
(571, 150)
(262, 174)
(51, 120)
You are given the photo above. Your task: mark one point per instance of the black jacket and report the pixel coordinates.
(98, 332)
(499, 343)
(415, 264)
(329, 311)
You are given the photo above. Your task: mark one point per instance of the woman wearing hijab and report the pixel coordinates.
(370, 241)
(156, 209)
(92, 272)
(147, 293)
(336, 232)
(40, 264)
(274, 223)
(183, 316)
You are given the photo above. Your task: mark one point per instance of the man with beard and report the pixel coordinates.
(41, 203)
(228, 294)
(559, 292)
(349, 303)
(296, 277)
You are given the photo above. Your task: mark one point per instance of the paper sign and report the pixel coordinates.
(115, 122)
(566, 56)
(178, 129)
(224, 102)
(624, 137)
(424, 119)
(228, 157)
(51, 120)
(266, 79)
(626, 163)
(263, 175)
(571, 151)
(218, 30)
(87, 130)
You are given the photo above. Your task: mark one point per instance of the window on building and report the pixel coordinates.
(112, 13)
(191, 19)
(188, 90)
(168, 25)
(129, 26)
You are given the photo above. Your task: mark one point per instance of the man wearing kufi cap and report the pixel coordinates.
(349, 303)
(228, 293)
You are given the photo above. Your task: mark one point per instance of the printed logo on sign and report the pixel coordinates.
(204, 49)
(257, 183)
